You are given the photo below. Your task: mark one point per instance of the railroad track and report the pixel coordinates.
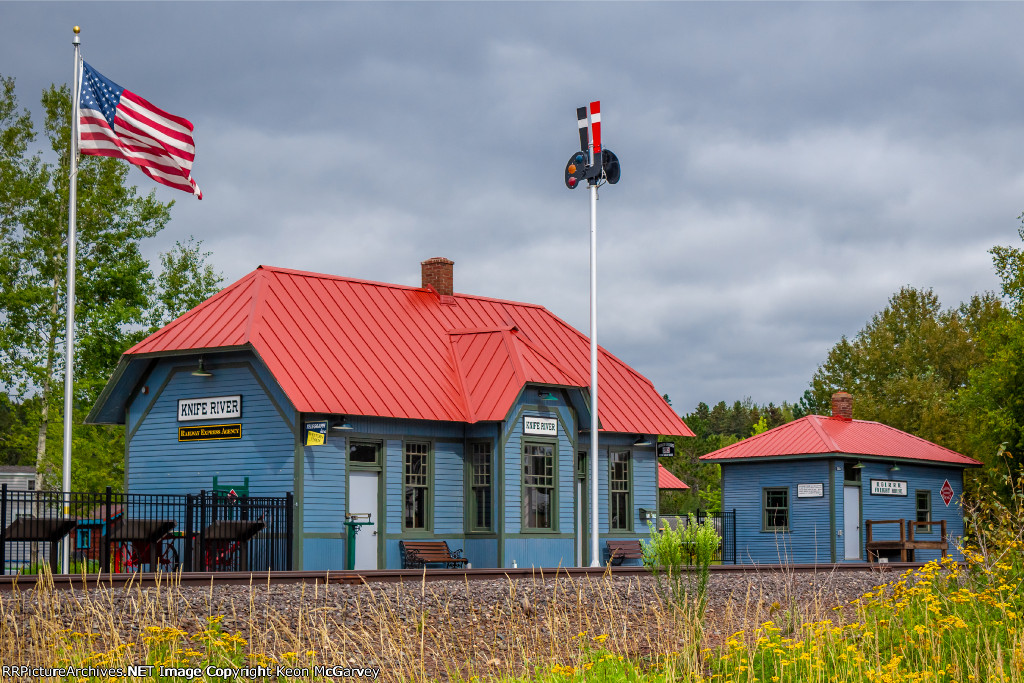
(142, 579)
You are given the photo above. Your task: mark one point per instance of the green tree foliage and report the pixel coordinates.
(185, 281)
(993, 404)
(907, 366)
(115, 288)
(714, 428)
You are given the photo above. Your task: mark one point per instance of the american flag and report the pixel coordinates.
(114, 122)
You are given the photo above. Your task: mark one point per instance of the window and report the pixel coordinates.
(538, 486)
(924, 506)
(851, 472)
(417, 484)
(775, 512)
(364, 453)
(480, 487)
(619, 490)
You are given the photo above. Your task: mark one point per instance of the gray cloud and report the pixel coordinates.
(786, 167)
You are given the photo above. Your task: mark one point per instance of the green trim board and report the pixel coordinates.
(548, 535)
(832, 508)
(845, 456)
(298, 485)
(324, 534)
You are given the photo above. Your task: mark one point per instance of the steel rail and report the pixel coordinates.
(257, 578)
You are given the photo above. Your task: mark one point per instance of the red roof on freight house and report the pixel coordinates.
(344, 346)
(667, 480)
(815, 434)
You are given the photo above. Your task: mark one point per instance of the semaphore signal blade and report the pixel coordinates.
(581, 116)
(595, 125)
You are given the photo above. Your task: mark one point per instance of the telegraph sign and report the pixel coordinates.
(666, 449)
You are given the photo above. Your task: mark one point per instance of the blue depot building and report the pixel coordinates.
(435, 415)
(835, 489)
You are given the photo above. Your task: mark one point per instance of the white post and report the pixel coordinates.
(69, 361)
(595, 553)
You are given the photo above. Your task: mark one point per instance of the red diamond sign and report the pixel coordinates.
(946, 492)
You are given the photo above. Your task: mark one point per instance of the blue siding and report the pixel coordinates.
(323, 553)
(566, 457)
(265, 453)
(540, 552)
(904, 507)
(481, 552)
(645, 485)
(393, 488)
(449, 482)
(323, 495)
(811, 533)
(809, 537)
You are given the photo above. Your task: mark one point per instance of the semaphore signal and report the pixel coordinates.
(596, 166)
(591, 163)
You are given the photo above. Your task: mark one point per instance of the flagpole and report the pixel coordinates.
(69, 361)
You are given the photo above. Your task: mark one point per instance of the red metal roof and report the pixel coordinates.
(345, 346)
(815, 434)
(667, 480)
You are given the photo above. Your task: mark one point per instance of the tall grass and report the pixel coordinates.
(945, 623)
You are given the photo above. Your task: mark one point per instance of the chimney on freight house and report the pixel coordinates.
(438, 272)
(842, 406)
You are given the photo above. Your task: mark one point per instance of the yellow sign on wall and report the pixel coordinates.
(210, 432)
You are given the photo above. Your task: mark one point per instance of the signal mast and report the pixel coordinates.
(597, 167)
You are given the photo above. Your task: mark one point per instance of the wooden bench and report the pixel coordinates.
(417, 554)
(623, 550)
(906, 544)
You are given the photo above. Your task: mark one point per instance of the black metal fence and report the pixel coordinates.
(131, 532)
(725, 525)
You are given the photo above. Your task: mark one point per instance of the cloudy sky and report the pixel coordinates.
(786, 167)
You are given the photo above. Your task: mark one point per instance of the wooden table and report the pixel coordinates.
(41, 529)
(143, 534)
(221, 535)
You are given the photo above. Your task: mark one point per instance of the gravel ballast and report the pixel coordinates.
(433, 628)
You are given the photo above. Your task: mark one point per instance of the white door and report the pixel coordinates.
(362, 498)
(580, 516)
(851, 522)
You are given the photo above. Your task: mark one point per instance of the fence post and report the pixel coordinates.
(290, 531)
(202, 530)
(735, 560)
(105, 527)
(189, 503)
(3, 529)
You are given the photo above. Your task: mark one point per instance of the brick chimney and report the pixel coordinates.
(438, 272)
(842, 406)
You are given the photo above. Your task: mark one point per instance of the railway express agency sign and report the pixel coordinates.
(213, 408)
(210, 432)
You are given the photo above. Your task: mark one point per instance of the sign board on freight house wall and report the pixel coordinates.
(810, 490)
(888, 487)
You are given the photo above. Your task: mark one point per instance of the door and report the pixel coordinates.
(851, 522)
(581, 510)
(362, 498)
